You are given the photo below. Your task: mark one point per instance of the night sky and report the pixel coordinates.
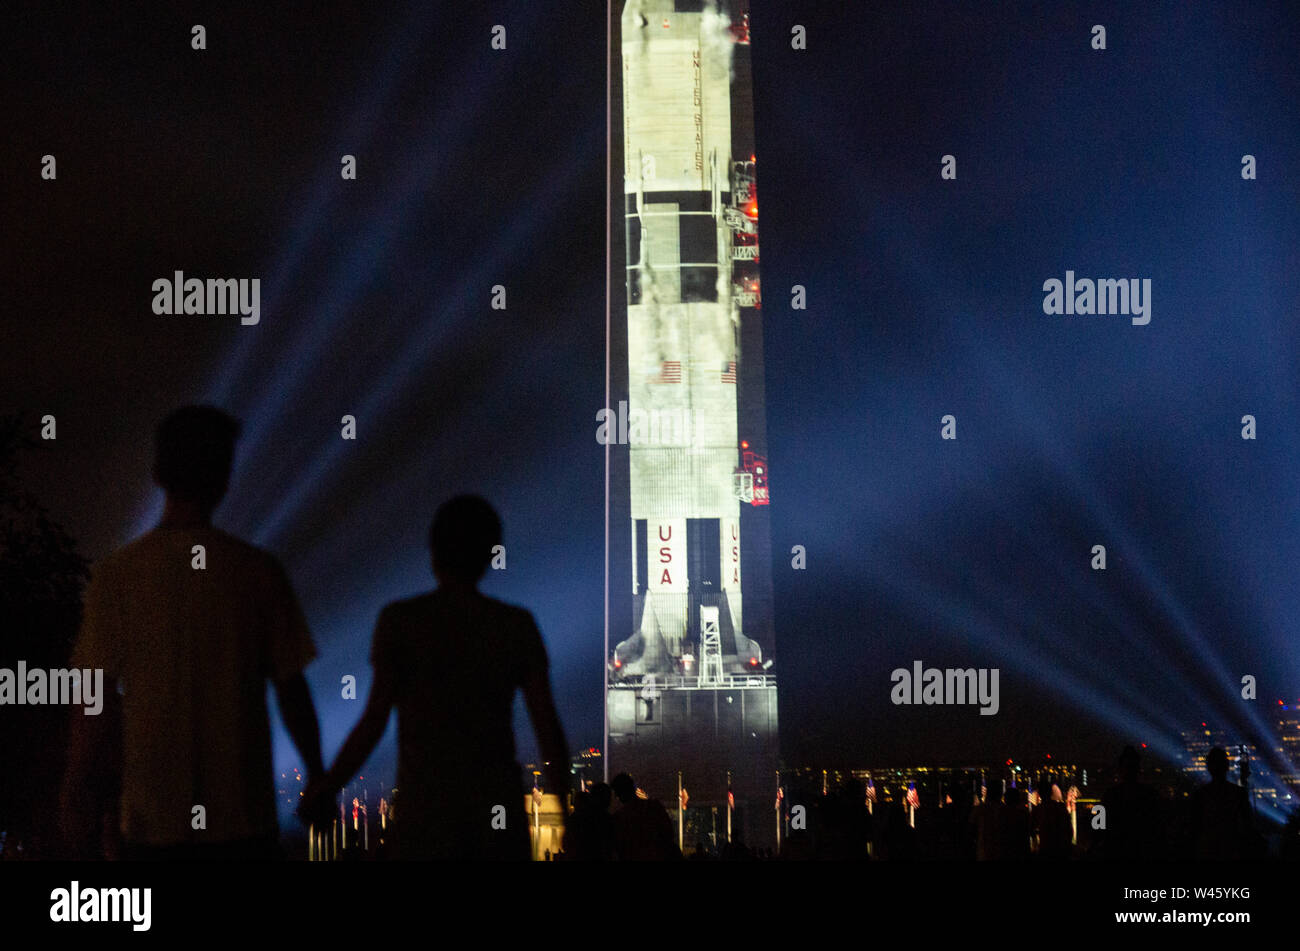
(478, 167)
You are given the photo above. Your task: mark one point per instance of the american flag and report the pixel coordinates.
(670, 371)
(729, 374)
(731, 799)
(913, 798)
(780, 794)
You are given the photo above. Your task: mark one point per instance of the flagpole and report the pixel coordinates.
(778, 812)
(730, 800)
(681, 811)
(536, 799)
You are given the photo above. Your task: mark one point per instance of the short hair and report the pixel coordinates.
(601, 796)
(1216, 762)
(194, 448)
(464, 532)
(624, 787)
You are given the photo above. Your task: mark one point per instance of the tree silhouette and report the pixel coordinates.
(41, 581)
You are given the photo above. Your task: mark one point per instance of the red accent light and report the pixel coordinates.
(753, 661)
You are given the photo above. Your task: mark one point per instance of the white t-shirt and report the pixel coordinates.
(194, 649)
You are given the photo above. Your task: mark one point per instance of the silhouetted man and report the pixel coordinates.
(1134, 824)
(1015, 825)
(451, 661)
(589, 836)
(989, 819)
(1220, 810)
(846, 824)
(642, 829)
(192, 622)
(1052, 824)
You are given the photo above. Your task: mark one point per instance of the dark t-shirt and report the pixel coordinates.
(1134, 829)
(643, 832)
(455, 662)
(194, 650)
(1221, 820)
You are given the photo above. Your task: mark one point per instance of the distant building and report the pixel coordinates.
(545, 825)
(586, 767)
(1264, 785)
(1287, 745)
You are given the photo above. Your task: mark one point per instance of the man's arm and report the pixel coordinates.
(365, 736)
(299, 715)
(361, 742)
(550, 734)
(317, 805)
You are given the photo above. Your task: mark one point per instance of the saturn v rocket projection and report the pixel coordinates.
(691, 682)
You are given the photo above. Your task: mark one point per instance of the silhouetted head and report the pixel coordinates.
(1130, 763)
(601, 796)
(1216, 761)
(624, 787)
(465, 529)
(194, 449)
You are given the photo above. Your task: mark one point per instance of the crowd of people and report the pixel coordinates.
(1132, 822)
